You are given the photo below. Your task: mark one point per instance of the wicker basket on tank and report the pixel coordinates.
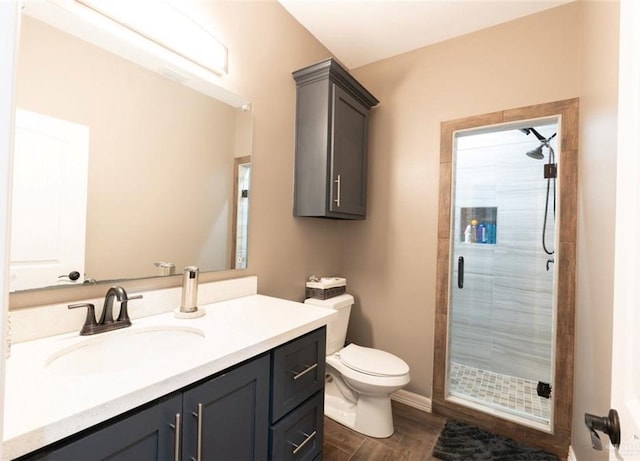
(327, 293)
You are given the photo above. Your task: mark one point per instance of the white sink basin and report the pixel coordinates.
(124, 349)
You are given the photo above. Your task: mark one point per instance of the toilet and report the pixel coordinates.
(359, 380)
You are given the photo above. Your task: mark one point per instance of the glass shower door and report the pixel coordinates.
(501, 310)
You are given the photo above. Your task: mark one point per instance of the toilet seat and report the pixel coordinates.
(372, 362)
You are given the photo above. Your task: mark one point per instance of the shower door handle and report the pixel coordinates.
(460, 272)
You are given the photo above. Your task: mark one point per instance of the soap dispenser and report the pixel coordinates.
(189, 305)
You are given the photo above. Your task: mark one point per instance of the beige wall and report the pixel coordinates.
(390, 259)
(596, 218)
(265, 46)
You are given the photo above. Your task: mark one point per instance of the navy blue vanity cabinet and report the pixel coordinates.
(268, 407)
(148, 434)
(332, 118)
(223, 418)
(227, 417)
(297, 398)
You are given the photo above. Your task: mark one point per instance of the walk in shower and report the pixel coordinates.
(505, 294)
(502, 285)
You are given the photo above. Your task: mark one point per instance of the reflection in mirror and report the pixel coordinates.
(240, 237)
(120, 172)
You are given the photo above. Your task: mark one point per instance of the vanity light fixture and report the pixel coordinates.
(164, 23)
(159, 35)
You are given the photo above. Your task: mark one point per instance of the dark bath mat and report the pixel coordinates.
(461, 442)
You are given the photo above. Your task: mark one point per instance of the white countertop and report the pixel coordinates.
(43, 406)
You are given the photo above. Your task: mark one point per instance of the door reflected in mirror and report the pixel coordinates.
(159, 160)
(239, 234)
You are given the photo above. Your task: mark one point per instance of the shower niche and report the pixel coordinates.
(478, 225)
(506, 272)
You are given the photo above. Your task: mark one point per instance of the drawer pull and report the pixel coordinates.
(178, 437)
(309, 437)
(200, 418)
(304, 372)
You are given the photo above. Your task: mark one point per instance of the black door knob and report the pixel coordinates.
(73, 276)
(609, 424)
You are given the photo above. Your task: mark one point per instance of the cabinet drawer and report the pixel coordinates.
(298, 372)
(298, 436)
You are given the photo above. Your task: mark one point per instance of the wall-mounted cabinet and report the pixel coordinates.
(332, 118)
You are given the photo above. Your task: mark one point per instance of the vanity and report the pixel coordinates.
(245, 381)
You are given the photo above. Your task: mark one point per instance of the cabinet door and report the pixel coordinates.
(348, 155)
(147, 435)
(227, 417)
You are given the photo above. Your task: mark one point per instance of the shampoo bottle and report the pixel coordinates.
(474, 230)
(467, 234)
(491, 233)
(482, 233)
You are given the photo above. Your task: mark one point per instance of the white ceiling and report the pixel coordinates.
(359, 32)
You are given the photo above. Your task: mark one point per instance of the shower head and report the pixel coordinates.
(536, 153)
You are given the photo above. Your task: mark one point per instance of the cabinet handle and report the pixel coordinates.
(297, 448)
(337, 200)
(199, 447)
(304, 372)
(177, 427)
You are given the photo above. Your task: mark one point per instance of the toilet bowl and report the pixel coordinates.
(359, 380)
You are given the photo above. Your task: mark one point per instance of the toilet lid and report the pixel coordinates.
(373, 361)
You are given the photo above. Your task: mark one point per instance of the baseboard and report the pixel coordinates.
(417, 401)
(572, 454)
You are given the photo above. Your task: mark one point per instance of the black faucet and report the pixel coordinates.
(107, 323)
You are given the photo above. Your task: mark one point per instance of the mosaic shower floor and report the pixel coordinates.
(508, 393)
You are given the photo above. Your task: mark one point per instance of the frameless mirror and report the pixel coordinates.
(121, 172)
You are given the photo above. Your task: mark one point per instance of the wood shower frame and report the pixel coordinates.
(559, 439)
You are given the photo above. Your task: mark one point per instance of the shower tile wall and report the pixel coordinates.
(502, 320)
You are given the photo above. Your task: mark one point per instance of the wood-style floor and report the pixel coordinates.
(415, 435)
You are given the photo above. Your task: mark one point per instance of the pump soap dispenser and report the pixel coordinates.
(189, 306)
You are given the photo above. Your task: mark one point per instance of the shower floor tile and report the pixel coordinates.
(515, 395)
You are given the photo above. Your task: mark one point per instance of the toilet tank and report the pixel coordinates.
(337, 327)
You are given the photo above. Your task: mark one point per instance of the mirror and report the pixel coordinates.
(147, 165)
